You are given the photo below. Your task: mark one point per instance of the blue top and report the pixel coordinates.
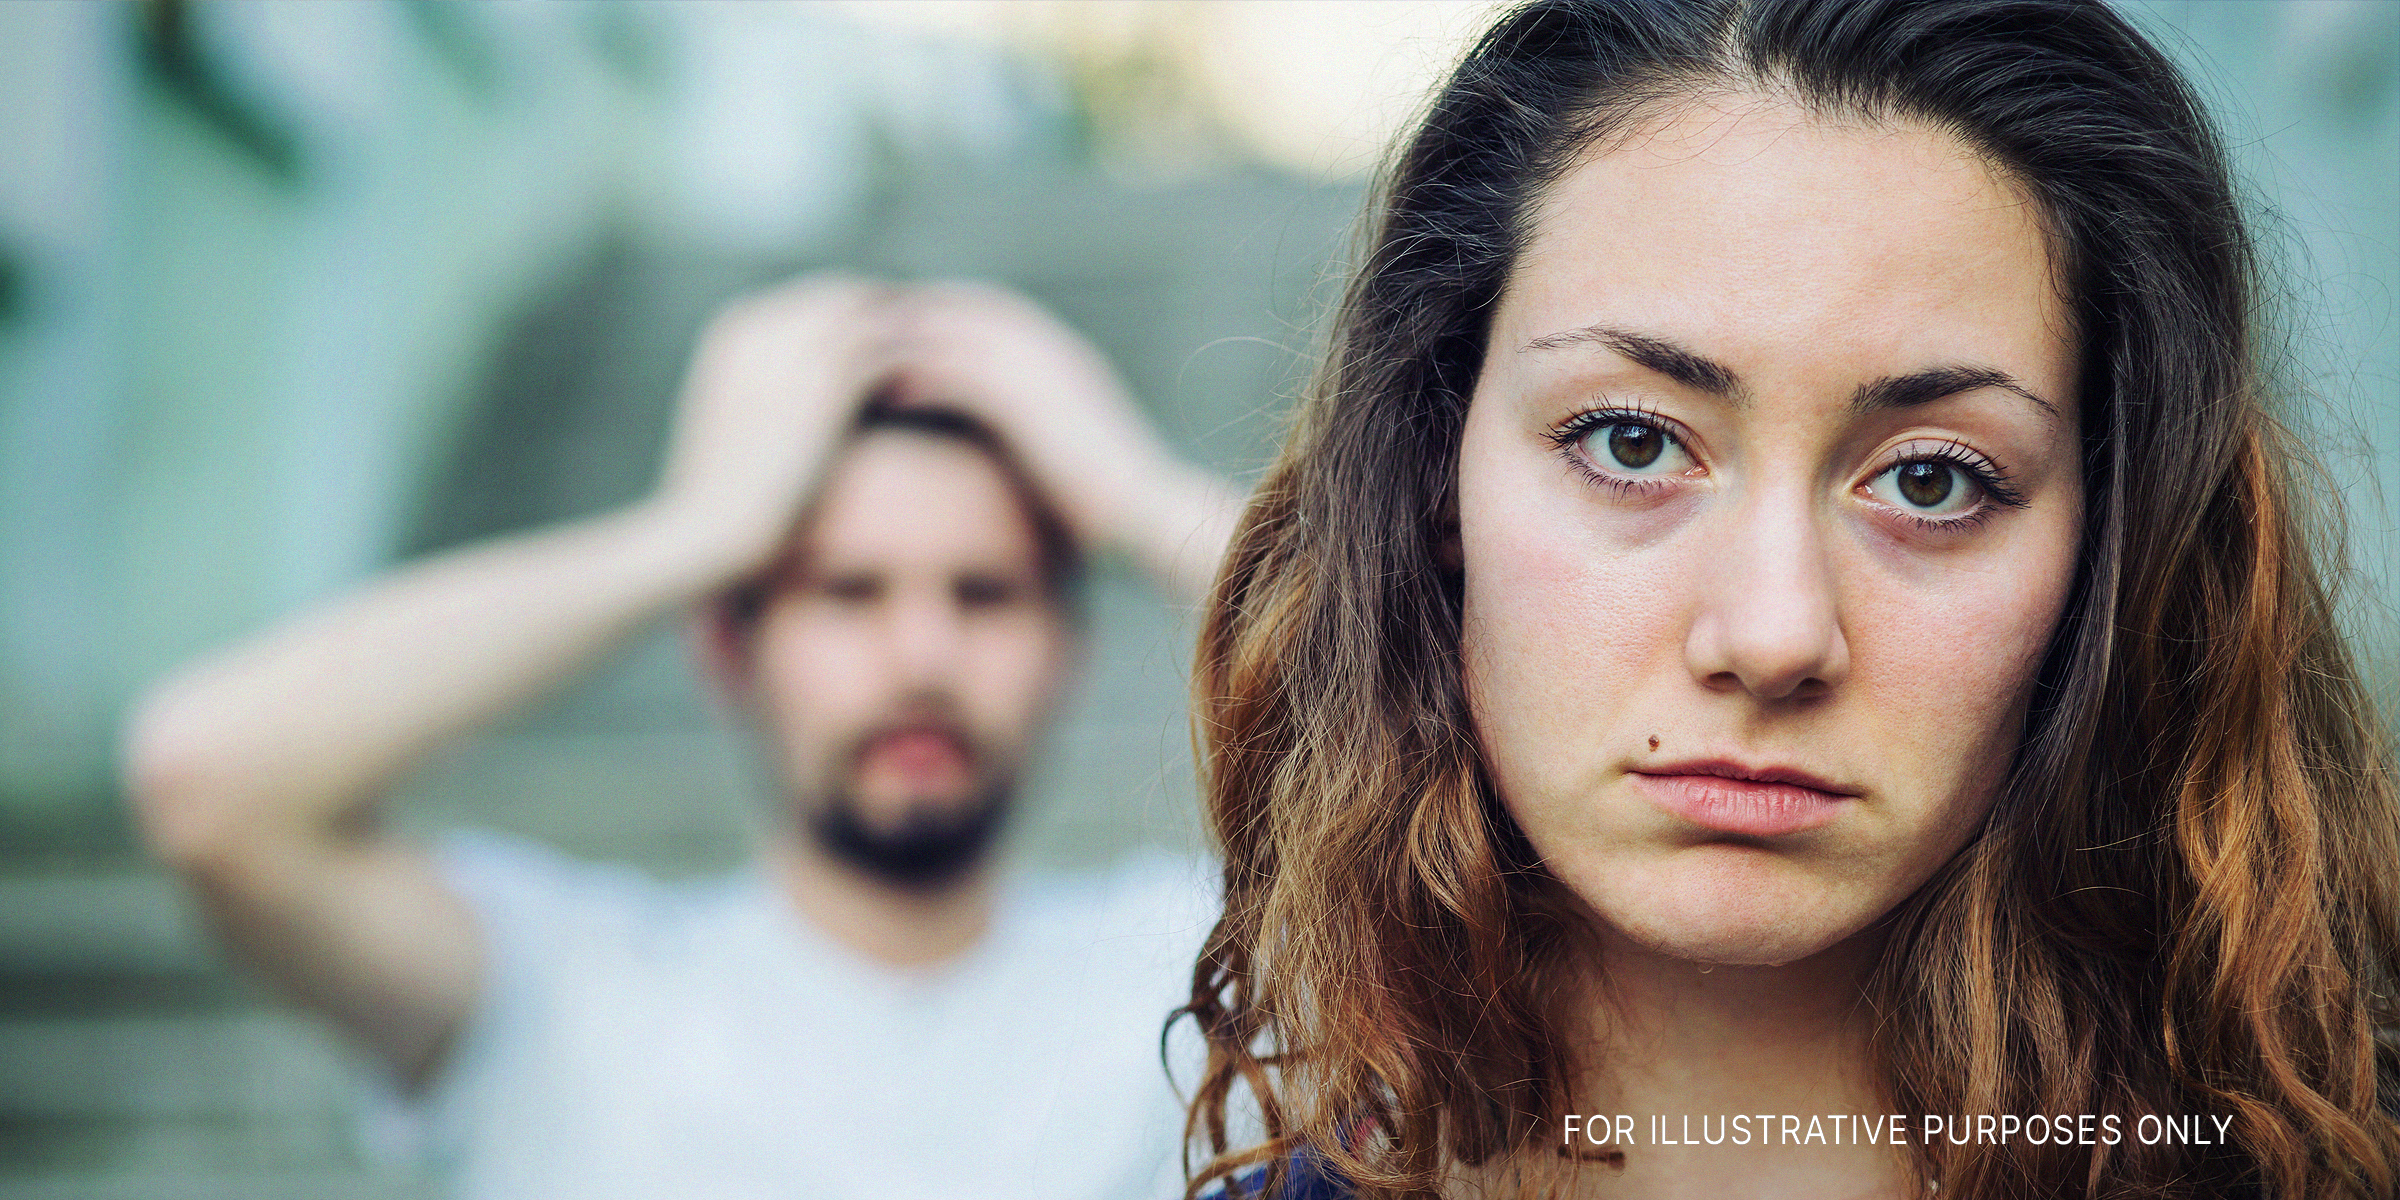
(1305, 1178)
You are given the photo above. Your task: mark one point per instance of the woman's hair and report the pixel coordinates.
(2184, 899)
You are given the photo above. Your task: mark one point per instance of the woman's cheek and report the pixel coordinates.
(1565, 628)
(1944, 663)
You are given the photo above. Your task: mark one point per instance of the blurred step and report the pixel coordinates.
(34, 995)
(67, 922)
(283, 1185)
(188, 1088)
(52, 1148)
(245, 1064)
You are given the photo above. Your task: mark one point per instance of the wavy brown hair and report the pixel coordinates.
(2186, 898)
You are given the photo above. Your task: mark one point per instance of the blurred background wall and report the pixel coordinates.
(290, 292)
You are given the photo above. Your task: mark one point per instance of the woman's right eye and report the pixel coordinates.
(1635, 448)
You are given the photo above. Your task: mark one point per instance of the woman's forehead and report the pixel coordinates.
(1762, 233)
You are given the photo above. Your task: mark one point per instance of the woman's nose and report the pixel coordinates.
(1768, 620)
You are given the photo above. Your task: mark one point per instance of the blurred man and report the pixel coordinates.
(887, 590)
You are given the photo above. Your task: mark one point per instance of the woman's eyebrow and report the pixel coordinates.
(1933, 383)
(1656, 353)
(1705, 375)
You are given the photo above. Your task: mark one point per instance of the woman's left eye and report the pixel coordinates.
(1926, 487)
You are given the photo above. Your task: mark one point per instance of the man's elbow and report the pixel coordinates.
(176, 786)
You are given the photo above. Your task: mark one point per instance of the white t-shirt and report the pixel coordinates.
(642, 1039)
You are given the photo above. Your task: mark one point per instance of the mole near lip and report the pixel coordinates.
(1747, 807)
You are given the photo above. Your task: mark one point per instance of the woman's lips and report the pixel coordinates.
(1748, 807)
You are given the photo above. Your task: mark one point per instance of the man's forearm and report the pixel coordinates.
(292, 733)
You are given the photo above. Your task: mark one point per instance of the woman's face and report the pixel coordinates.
(1768, 504)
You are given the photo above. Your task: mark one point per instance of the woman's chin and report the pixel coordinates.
(1733, 944)
(1714, 921)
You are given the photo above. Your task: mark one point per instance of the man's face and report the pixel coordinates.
(911, 654)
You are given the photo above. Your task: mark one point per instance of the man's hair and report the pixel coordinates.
(2187, 895)
(1060, 556)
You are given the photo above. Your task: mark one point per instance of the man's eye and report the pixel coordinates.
(853, 589)
(981, 592)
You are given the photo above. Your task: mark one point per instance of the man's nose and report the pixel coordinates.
(923, 634)
(1768, 620)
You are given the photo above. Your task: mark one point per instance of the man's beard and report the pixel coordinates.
(933, 846)
(929, 851)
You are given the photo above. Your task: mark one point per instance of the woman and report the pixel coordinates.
(1788, 600)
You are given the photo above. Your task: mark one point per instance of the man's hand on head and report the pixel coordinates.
(778, 375)
(1045, 389)
(775, 378)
